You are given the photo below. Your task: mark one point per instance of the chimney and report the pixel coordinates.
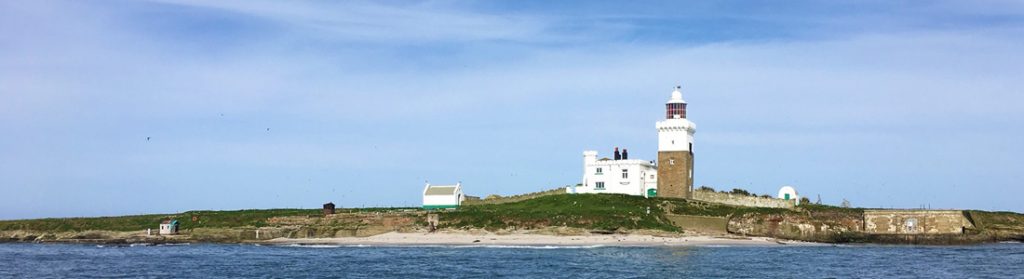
(625, 155)
(618, 156)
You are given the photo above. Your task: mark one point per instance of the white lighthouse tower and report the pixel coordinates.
(675, 149)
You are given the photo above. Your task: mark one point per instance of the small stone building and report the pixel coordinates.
(910, 221)
(442, 196)
(329, 208)
(169, 227)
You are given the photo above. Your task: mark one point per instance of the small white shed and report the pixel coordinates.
(789, 193)
(169, 227)
(442, 196)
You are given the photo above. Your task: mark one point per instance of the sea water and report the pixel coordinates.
(17, 260)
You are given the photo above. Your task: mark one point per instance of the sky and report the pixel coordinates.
(137, 107)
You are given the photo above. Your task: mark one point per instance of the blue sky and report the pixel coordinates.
(883, 103)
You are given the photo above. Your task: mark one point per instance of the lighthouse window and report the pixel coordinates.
(599, 171)
(625, 173)
(599, 185)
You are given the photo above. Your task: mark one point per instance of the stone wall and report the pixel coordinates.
(674, 169)
(806, 226)
(742, 200)
(916, 222)
(516, 198)
(703, 224)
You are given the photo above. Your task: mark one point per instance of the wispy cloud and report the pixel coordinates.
(368, 95)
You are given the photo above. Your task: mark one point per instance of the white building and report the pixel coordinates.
(611, 176)
(169, 227)
(788, 193)
(442, 196)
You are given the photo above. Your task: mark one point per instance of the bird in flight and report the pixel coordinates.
(147, 138)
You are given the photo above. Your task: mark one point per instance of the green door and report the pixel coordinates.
(652, 193)
(787, 196)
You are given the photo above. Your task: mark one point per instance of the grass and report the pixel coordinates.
(588, 211)
(204, 219)
(999, 220)
(824, 208)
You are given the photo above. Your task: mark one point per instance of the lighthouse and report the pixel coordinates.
(675, 149)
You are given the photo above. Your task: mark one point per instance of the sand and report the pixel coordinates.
(528, 239)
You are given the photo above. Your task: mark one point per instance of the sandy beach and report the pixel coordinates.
(527, 239)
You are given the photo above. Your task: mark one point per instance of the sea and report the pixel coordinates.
(23, 260)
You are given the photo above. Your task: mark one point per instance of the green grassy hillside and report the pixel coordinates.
(204, 219)
(604, 212)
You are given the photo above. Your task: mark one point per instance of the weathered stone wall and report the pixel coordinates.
(516, 198)
(742, 200)
(703, 224)
(916, 222)
(674, 168)
(808, 226)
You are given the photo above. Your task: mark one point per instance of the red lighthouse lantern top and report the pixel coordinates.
(676, 106)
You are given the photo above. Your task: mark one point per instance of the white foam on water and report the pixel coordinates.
(451, 246)
(314, 245)
(530, 246)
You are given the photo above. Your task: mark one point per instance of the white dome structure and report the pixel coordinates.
(789, 193)
(677, 96)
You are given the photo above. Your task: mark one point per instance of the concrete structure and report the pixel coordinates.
(910, 221)
(675, 149)
(442, 196)
(169, 227)
(329, 208)
(789, 193)
(616, 176)
(742, 200)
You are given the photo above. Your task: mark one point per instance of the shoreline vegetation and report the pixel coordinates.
(545, 220)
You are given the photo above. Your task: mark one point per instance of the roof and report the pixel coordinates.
(610, 162)
(440, 190)
(677, 96)
(172, 222)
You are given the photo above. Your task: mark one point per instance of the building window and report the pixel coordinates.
(652, 176)
(671, 161)
(599, 171)
(691, 174)
(625, 173)
(599, 186)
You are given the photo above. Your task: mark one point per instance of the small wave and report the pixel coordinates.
(451, 246)
(313, 245)
(175, 244)
(715, 246)
(530, 246)
(141, 244)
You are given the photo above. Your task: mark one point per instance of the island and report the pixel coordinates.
(546, 218)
